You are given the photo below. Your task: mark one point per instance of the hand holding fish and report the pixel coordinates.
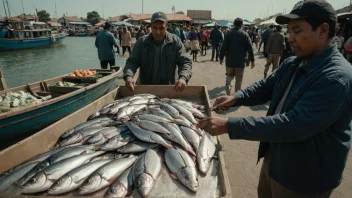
(214, 125)
(224, 103)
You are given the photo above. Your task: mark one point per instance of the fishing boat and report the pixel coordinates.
(81, 33)
(20, 123)
(26, 35)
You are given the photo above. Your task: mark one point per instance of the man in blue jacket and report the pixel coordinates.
(306, 135)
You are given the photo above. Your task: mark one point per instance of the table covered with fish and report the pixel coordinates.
(139, 144)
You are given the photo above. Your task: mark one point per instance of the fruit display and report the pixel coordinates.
(82, 73)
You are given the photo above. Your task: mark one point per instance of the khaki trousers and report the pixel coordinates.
(269, 188)
(232, 73)
(272, 59)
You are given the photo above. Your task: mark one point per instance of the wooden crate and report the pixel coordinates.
(45, 139)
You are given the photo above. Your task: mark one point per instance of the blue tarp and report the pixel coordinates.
(80, 23)
(119, 23)
(225, 23)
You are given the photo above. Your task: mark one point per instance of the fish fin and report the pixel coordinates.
(191, 151)
(173, 176)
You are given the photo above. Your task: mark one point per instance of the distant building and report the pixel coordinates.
(139, 19)
(67, 21)
(199, 16)
(21, 17)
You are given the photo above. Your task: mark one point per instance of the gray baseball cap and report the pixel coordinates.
(159, 16)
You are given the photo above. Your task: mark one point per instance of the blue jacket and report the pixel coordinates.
(310, 140)
(105, 43)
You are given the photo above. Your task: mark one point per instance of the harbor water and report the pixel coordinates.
(27, 66)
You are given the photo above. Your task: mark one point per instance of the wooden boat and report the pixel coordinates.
(35, 145)
(16, 125)
(22, 37)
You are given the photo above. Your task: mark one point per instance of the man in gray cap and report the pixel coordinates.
(105, 42)
(156, 55)
(306, 136)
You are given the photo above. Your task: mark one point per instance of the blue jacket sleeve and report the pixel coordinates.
(318, 108)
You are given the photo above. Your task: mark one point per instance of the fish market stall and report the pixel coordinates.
(137, 134)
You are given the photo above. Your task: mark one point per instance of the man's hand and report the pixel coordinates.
(180, 85)
(130, 84)
(221, 61)
(252, 64)
(224, 103)
(214, 125)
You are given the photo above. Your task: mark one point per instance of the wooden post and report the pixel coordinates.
(3, 85)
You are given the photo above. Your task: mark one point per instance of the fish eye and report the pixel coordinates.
(58, 183)
(113, 190)
(33, 180)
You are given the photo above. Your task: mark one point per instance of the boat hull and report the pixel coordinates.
(17, 44)
(18, 127)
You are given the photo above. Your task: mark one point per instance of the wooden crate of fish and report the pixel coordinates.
(147, 139)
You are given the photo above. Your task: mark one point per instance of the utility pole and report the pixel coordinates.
(8, 8)
(3, 1)
(23, 7)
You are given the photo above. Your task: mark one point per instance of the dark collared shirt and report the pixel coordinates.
(310, 139)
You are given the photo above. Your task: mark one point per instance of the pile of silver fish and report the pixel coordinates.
(15, 100)
(122, 148)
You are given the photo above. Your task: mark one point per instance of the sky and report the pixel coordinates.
(221, 9)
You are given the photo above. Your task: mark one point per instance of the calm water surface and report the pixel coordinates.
(27, 66)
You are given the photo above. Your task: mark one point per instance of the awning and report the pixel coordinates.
(147, 21)
(39, 23)
(224, 24)
(54, 24)
(209, 25)
(269, 22)
(79, 23)
(120, 23)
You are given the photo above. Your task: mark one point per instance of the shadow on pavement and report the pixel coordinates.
(216, 92)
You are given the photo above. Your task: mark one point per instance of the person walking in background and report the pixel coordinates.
(157, 56)
(194, 38)
(140, 32)
(287, 51)
(120, 34)
(348, 49)
(183, 35)
(126, 41)
(216, 38)
(204, 41)
(174, 30)
(235, 47)
(265, 38)
(274, 48)
(105, 42)
(338, 40)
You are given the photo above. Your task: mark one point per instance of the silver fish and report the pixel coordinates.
(67, 153)
(177, 137)
(105, 134)
(106, 108)
(142, 101)
(123, 186)
(44, 180)
(75, 178)
(11, 178)
(159, 112)
(127, 111)
(147, 136)
(196, 113)
(185, 112)
(118, 141)
(36, 159)
(182, 167)
(146, 171)
(106, 175)
(83, 125)
(110, 156)
(205, 154)
(153, 118)
(115, 108)
(136, 147)
(168, 108)
(81, 136)
(191, 136)
(94, 115)
(151, 126)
